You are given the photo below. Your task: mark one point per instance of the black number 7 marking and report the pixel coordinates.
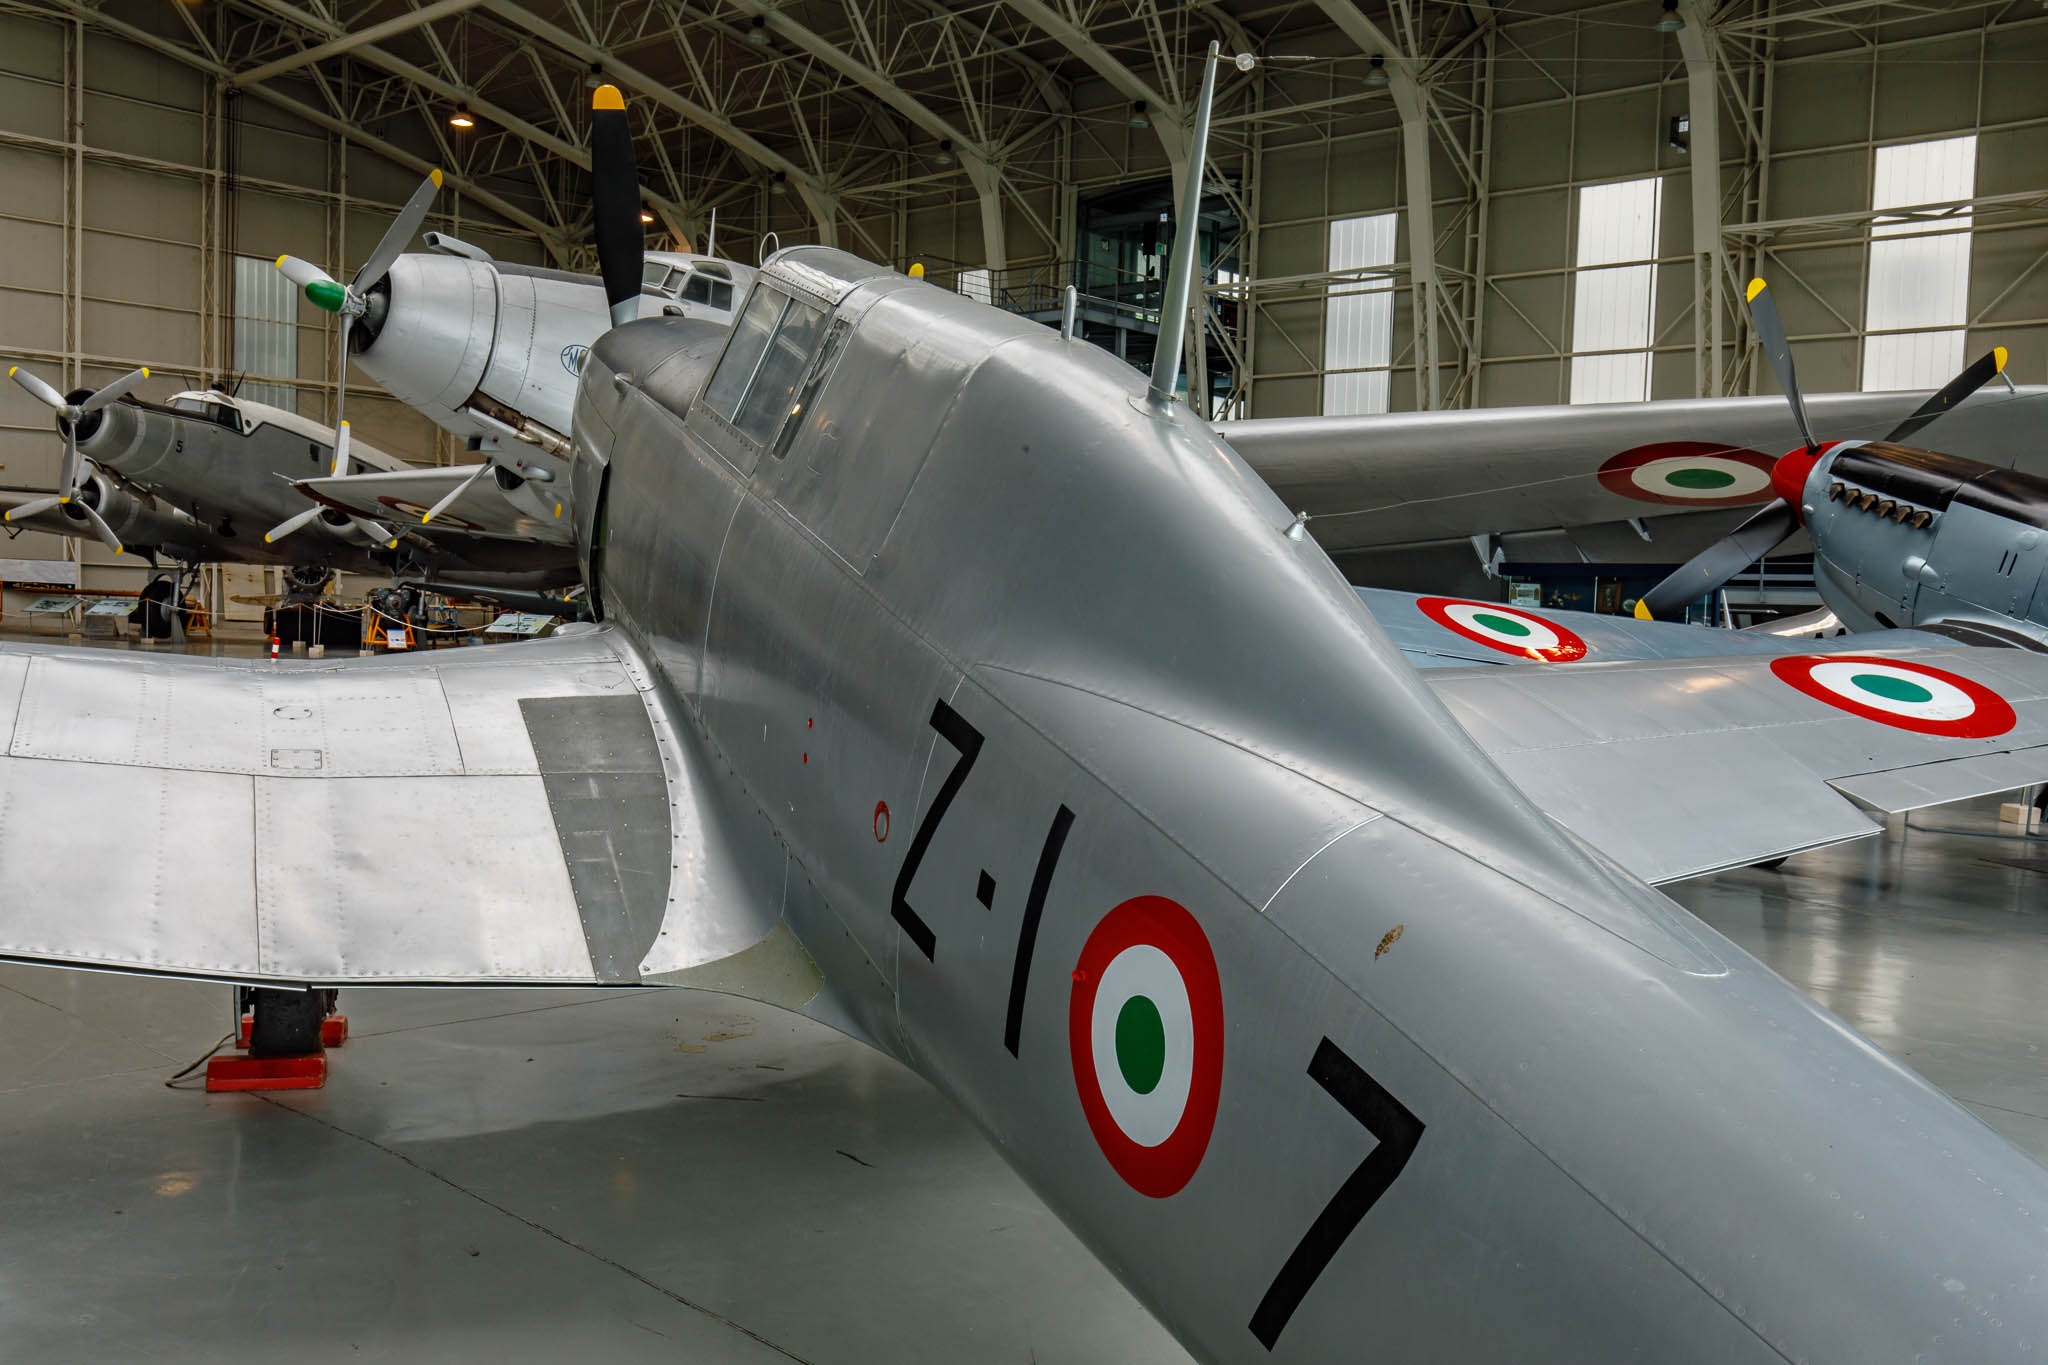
(1387, 1119)
(954, 729)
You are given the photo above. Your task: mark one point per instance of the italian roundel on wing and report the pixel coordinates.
(1504, 628)
(1689, 474)
(1905, 696)
(1145, 1025)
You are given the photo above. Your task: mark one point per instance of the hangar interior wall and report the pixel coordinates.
(137, 180)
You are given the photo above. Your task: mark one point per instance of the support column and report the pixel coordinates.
(1709, 264)
(1425, 293)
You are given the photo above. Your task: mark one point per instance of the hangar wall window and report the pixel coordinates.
(978, 285)
(1358, 322)
(266, 332)
(1614, 290)
(1919, 293)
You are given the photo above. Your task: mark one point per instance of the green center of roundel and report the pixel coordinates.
(1699, 479)
(1506, 625)
(1892, 688)
(1140, 1044)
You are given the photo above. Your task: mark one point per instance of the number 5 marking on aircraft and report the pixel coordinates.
(1387, 1119)
(954, 729)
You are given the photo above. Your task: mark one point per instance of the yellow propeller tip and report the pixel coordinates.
(11, 369)
(1643, 612)
(1998, 355)
(391, 544)
(269, 539)
(435, 176)
(279, 262)
(145, 371)
(63, 502)
(1756, 286)
(607, 97)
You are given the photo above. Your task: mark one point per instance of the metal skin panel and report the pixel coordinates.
(1937, 784)
(13, 674)
(384, 879)
(178, 898)
(1408, 478)
(1725, 1159)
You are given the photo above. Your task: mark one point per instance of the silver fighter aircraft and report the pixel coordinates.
(960, 689)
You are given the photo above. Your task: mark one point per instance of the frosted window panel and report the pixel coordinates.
(1612, 304)
(1919, 282)
(1619, 222)
(1936, 172)
(266, 334)
(1358, 322)
(976, 285)
(1911, 360)
(1916, 281)
(1623, 378)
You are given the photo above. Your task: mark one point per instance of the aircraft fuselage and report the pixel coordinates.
(1104, 804)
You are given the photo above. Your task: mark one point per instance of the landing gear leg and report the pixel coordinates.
(286, 1034)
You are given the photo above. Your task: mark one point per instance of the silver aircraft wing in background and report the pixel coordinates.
(1420, 477)
(487, 500)
(512, 815)
(1435, 631)
(1678, 767)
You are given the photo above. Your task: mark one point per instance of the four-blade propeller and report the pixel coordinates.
(71, 478)
(1777, 519)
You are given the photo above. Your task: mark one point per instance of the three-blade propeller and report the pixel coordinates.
(349, 301)
(71, 478)
(1775, 522)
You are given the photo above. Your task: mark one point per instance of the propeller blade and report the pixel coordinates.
(319, 287)
(290, 524)
(30, 509)
(1771, 333)
(1710, 568)
(380, 533)
(454, 493)
(37, 387)
(1987, 368)
(341, 376)
(340, 450)
(615, 203)
(114, 391)
(100, 527)
(398, 235)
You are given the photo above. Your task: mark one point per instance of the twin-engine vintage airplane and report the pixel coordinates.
(960, 689)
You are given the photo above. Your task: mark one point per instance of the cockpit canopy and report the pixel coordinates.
(689, 280)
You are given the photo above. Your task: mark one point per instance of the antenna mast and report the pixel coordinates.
(1180, 275)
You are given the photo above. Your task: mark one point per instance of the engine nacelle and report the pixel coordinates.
(428, 334)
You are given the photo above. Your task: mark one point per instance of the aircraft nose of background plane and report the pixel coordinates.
(1830, 1200)
(428, 337)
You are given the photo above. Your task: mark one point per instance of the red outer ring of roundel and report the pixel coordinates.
(1155, 1171)
(1569, 648)
(1617, 475)
(1993, 716)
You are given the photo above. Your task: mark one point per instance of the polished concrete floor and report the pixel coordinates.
(508, 1177)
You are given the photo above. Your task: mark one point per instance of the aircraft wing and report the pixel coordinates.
(1680, 767)
(522, 814)
(1454, 632)
(398, 498)
(1418, 477)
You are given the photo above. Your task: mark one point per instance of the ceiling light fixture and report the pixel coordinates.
(1138, 118)
(1671, 20)
(779, 185)
(945, 153)
(646, 217)
(595, 76)
(1377, 77)
(757, 34)
(461, 117)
